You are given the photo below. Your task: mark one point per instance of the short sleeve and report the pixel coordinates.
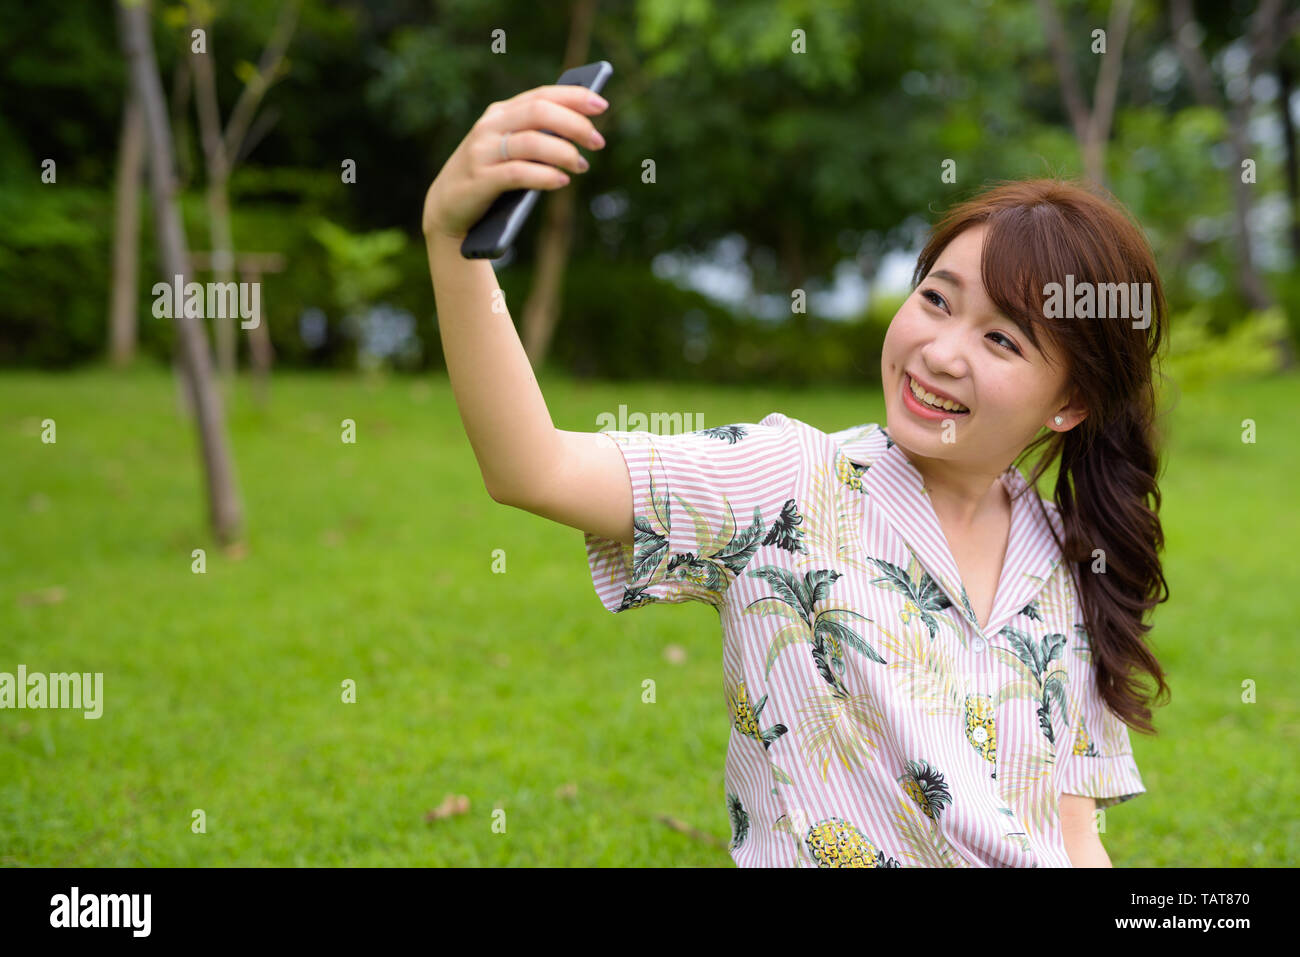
(1096, 759)
(703, 503)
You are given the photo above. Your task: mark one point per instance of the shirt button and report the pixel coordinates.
(979, 644)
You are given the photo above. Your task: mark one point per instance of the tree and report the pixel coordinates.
(1268, 29)
(146, 86)
(126, 234)
(220, 151)
(542, 308)
(1091, 124)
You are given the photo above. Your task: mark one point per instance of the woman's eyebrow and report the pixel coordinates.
(950, 277)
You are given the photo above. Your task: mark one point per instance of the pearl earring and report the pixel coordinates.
(1059, 420)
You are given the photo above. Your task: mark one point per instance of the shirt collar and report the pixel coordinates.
(893, 482)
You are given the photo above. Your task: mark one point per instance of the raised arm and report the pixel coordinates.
(576, 478)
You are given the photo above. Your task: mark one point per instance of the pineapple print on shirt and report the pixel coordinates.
(876, 723)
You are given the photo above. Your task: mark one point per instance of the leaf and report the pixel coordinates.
(45, 596)
(451, 805)
(787, 636)
(246, 72)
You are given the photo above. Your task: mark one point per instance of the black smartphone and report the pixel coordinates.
(494, 233)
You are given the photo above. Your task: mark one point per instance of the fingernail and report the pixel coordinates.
(597, 102)
(583, 165)
(597, 140)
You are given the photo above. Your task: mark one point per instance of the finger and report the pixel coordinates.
(539, 113)
(522, 174)
(575, 97)
(534, 145)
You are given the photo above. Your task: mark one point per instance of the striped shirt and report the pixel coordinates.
(874, 723)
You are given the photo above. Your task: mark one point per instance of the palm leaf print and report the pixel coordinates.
(1025, 782)
(928, 674)
(1032, 662)
(727, 433)
(832, 523)
(970, 612)
(920, 589)
(789, 635)
(1052, 593)
(840, 727)
(1031, 611)
(826, 629)
(784, 532)
(721, 551)
(782, 582)
(1054, 687)
(732, 549)
(649, 548)
(829, 627)
(739, 821)
(634, 597)
(924, 845)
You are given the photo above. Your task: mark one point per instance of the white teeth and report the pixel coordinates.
(929, 398)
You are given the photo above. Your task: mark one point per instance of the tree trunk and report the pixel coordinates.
(181, 82)
(126, 235)
(137, 45)
(260, 350)
(1091, 125)
(542, 308)
(218, 177)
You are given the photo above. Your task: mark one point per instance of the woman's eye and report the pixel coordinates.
(926, 294)
(1005, 339)
(930, 292)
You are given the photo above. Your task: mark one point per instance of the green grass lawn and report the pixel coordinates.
(374, 562)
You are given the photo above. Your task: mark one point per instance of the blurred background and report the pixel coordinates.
(241, 528)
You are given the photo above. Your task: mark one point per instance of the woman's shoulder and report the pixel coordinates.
(861, 443)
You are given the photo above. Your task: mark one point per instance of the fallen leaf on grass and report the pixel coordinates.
(45, 596)
(691, 832)
(451, 804)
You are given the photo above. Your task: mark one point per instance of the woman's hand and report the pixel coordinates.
(476, 175)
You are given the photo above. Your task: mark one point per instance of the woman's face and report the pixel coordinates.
(949, 335)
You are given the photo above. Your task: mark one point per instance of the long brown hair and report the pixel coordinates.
(1040, 231)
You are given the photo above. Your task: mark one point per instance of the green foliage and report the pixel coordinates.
(1198, 357)
(54, 267)
(360, 264)
(621, 322)
(814, 158)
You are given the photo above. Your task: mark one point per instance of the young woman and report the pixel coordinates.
(924, 662)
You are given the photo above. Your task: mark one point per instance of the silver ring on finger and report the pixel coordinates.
(505, 150)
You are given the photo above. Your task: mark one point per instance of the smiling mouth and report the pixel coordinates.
(932, 401)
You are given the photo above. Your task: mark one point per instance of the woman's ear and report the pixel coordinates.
(1068, 415)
